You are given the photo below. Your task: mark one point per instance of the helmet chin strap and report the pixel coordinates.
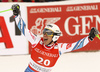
(49, 43)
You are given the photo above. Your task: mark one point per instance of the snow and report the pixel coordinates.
(68, 62)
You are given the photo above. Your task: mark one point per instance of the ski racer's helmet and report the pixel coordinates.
(55, 29)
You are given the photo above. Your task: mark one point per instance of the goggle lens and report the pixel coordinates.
(47, 32)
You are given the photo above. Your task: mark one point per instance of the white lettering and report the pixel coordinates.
(82, 8)
(38, 67)
(45, 53)
(76, 26)
(44, 10)
(85, 23)
(97, 20)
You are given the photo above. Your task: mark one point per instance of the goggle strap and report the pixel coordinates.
(58, 34)
(50, 42)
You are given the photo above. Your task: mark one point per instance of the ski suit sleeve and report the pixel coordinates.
(32, 38)
(67, 47)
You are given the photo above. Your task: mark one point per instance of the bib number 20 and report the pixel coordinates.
(46, 62)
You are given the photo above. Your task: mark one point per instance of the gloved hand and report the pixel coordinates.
(93, 33)
(16, 9)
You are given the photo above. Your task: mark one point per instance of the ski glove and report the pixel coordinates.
(16, 9)
(93, 33)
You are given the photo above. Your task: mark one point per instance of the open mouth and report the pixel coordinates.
(45, 39)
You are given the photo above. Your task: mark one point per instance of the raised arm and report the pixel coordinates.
(32, 38)
(67, 47)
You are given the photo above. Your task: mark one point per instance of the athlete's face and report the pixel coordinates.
(47, 39)
(47, 36)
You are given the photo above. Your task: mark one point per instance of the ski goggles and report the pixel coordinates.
(48, 32)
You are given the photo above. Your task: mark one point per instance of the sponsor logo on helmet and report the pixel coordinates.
(57, 30)
(50, 26)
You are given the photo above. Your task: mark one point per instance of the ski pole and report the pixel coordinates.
(98, 36)
(5, 10)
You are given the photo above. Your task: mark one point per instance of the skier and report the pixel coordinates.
(46, 50)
